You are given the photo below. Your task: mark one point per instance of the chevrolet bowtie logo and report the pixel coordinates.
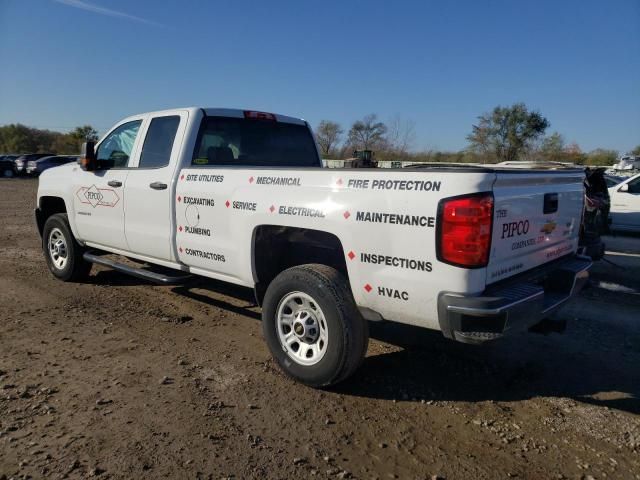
(548, 227)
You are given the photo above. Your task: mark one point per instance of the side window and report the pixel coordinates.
(158, 144)
(115, 150)
(257, 143)
(634, 186)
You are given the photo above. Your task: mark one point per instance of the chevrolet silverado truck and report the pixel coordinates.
(241, 196)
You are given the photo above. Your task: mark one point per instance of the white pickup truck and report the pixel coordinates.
(240, 196)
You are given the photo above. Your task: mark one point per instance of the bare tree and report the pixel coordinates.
(328, 136)
(401, 135)
(368, 133)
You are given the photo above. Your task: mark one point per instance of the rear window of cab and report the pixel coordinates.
(254, 142)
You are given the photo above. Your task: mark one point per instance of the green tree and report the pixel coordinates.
(70, 143)
(17, 138)
(328, 136)
(507, 132)
(553, 148)
(367, 134)
(86, 133)
(602, 157)
(636, 151)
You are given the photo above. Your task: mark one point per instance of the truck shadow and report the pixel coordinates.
(243, 295)
(227, 296)
(594, 362)
(422, 365)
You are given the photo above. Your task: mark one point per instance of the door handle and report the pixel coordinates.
(114, 183)
(158, 185)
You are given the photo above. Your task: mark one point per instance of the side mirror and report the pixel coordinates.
(624, 188)
(88, 160)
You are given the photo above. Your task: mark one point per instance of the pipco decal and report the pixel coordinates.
(98, 197)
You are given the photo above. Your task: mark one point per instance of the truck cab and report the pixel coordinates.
(137, 161)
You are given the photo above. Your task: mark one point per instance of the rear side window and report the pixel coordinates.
(634, 186)
(158, 144)
(254, 142)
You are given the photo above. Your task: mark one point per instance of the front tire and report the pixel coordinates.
(312, 325)
(7, 172)
(61, 251)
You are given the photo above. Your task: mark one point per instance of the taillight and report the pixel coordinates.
(464, 230)
(259, 115)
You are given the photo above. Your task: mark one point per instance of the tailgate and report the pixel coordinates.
(536, 220)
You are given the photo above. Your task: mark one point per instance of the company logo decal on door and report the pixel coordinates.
(98, 197)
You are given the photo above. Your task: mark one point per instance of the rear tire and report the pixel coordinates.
(61, 251)
(312, 325)
(7, 172)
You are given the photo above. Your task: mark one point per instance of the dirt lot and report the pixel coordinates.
(121, 379)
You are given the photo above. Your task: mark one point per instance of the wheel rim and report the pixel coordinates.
(302, 328)
(58, 251)
(8, 173)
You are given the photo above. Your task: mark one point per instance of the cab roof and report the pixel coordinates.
(222, 112)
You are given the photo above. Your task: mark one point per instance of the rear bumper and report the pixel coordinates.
(514, 305)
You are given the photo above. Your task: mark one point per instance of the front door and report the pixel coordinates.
(98, 195)
(625, 206)
(149, 189)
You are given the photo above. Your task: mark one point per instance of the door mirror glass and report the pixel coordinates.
(624, 188)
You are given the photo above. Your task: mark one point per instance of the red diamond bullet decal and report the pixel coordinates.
(272, 208)
(346, 214)
(250, 179)
(339, 182)
(180, 249)
(227, 203)
(368, 287)
(179, 198)
(180, 228)
(351, 255)
(182, 177)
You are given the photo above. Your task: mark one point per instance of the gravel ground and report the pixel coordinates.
(117, 378)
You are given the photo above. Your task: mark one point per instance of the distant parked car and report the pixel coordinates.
(7, 165)
(625, 205)
(22, 161)
(628, 162)
(36, 167)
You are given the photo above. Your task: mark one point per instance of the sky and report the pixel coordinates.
(65, 63)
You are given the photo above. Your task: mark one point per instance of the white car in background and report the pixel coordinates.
(625, 205)
(628, 162)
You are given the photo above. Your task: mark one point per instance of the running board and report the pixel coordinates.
(155, 277)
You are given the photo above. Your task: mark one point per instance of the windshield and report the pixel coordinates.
(249, 142)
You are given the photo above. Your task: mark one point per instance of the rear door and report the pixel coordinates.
(148, 220)
(98, 195)
(232, 182)
(536, 219)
